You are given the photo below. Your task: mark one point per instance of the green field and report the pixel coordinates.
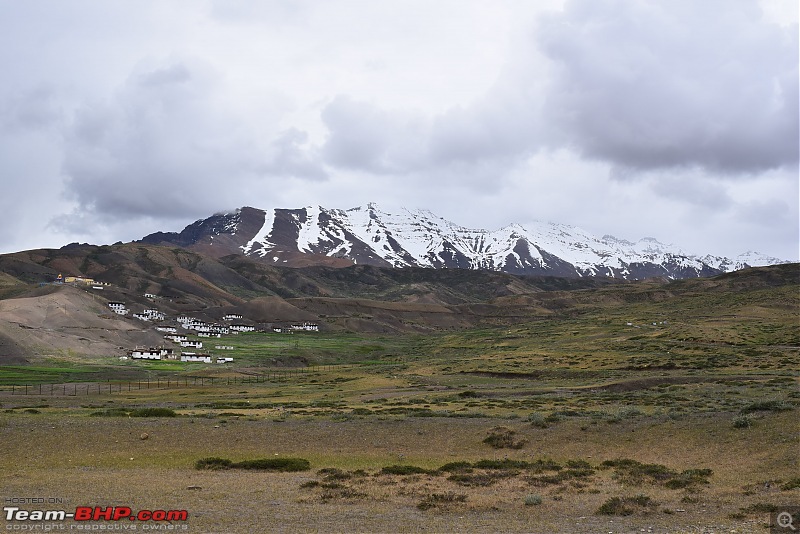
(633, 410)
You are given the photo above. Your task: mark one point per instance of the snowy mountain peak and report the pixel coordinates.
(420, 238)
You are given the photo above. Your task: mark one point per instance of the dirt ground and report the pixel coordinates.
(76, 460)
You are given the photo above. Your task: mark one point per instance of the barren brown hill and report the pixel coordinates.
(65, 321)
(37, 318)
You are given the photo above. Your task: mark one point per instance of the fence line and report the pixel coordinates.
(77, 389)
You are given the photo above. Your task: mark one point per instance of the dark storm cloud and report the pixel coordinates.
(650, 85)
(293, 157)
(164, 146)
(469, 144)
(365, 137)
(111, 127)
(640, 85)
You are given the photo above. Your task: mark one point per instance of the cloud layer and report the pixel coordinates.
(676, 119)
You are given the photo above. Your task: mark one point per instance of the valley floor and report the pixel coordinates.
(64, 453)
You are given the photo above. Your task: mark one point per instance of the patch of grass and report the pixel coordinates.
(274, 464)
(625, 505)
(213, 463)
(538, 420)
(260, 464)
(633, 473)
(403, 470)
(433, 500)
(791, 484)
(501, 464)
(501, 437)
(768, 406)
(533, 500)
(479, 479)
(455, 467)
(111, 412)
(742, 421)
(153, 412)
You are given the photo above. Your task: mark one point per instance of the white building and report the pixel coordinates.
(308, 327)
(154, 315)
(118, 307)
(203, 358)
(168, 329)
(145, 354)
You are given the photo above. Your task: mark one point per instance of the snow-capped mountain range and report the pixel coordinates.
(419, 238)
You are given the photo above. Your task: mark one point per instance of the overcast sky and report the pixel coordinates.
(676, 119)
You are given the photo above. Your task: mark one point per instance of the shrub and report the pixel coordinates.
(792, 484)
(614, 506)
(544, 465)
(533, 500)
(743, 421)
(501, 464)
(479, 479)
(331, 473)
(456, 467)
(275, 464)
(403, 470)
(624, 505)
(634, 473)
(502, 437)
(578, 464)
(538, 420)
(768, 406)
(153, 412)
(437, 499)
(213, 463)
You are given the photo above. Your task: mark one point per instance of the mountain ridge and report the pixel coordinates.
(315, 235)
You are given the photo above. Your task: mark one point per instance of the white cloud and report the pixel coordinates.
(674, 119)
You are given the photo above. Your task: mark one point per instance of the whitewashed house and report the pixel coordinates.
(118, 307)
(308, 327)
(145, 354)
(232, 317)
(167, 329)
(203, 358)
(193, 344)
(242, 328)
(154, 315)
(209, 334)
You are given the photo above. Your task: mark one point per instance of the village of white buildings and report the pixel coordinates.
(231, 324)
